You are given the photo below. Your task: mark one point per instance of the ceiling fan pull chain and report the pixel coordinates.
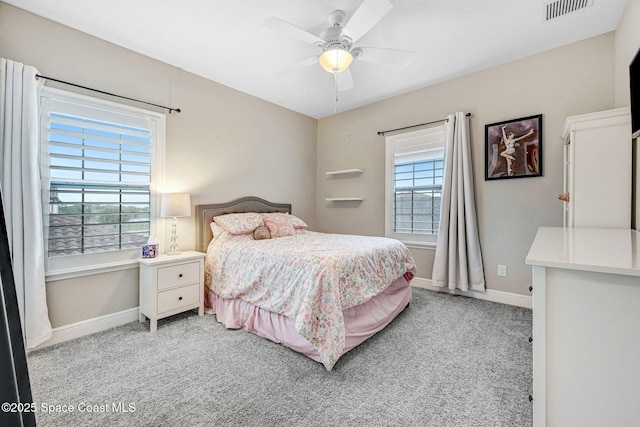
(335, 87)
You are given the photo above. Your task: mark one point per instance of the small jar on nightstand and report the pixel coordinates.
(171, 284)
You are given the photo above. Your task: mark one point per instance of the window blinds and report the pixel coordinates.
(417, 181)
(100, 175)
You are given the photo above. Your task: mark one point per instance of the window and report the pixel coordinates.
(100, 161)
(415, 169)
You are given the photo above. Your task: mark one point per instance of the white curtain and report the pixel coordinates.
(21, 194)
(458, 260)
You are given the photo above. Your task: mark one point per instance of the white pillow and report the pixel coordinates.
(296, 222)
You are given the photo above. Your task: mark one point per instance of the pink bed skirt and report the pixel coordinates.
(361, 322)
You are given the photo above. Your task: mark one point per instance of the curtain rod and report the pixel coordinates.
(382, 132)
(177, 110)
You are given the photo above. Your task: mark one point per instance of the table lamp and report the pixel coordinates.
(175, 205)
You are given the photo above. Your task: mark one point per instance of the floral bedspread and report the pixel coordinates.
(310, 277)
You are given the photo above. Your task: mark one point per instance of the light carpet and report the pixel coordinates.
(444, 361)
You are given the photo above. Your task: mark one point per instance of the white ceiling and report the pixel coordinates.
(226, 41)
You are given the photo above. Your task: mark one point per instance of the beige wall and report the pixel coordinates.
(87, 297)
(570, 80)
(225, 144)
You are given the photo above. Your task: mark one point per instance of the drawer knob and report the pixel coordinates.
(179, 298)
(530, 339)
(530, 398)
(530, 288)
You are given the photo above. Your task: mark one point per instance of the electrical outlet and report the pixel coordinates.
(502, 270)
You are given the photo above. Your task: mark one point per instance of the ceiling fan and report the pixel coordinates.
(338, 41)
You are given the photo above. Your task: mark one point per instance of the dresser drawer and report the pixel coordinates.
(183, 274)
(174, 299)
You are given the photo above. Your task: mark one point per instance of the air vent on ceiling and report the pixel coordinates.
(558, 8)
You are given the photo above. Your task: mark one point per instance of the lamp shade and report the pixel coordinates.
(335, 60)
(175, 205)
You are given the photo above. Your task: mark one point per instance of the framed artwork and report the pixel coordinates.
(513, 148)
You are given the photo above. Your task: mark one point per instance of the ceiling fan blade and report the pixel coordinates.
(344, 80)
(277, 24)
(298, 66)
(365, 17)
(384, 56)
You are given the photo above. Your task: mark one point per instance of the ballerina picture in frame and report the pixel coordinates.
(513, 148)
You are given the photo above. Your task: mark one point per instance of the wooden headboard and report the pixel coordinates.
(205, 214)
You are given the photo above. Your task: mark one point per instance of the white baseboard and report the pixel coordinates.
(501, 297)
(90, 326)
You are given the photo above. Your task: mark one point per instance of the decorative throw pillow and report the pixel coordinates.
(239, 223)
(261, 233)
(278, 224)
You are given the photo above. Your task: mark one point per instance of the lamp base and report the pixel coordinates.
(173, 249)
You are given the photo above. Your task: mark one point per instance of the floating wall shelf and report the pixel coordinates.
(345, 172)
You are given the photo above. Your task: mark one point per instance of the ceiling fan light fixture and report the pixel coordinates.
(336, 60)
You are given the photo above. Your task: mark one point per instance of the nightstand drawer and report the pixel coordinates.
(169, 277)
(174, 299)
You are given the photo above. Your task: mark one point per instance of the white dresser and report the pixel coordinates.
(171, 284)
(597, 169)
(586, 327)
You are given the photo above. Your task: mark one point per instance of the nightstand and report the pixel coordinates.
(171, 284)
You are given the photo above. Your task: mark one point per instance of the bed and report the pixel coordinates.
(319, 294)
